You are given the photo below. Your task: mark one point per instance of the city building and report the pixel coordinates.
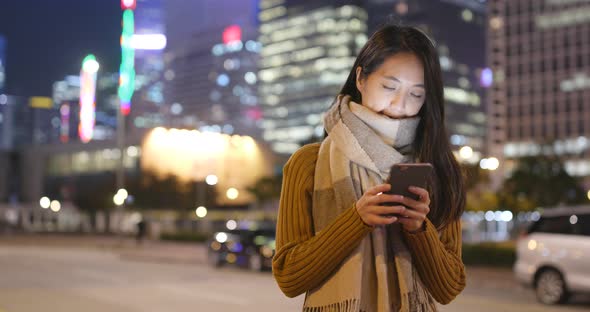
(458, 30)
(2, 63)
(187, 81)
(211, 66)
(148, 106)
(539, 103)
(27, 121)
(66, 99)
(308, 49)
(233, 96)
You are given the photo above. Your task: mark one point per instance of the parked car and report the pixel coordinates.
(553, 255)
(245, 248)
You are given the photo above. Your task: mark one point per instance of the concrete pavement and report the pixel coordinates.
(124, 247)
(66, 279)
(195, 253)
(97, 273)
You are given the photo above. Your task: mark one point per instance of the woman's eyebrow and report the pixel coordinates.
(395, 79)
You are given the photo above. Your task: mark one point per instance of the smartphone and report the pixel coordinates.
(402, 176)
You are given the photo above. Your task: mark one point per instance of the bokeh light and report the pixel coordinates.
(211, 179)
(55, 206)
(44, 202)
(232, 193)
(466, 152)
(221, 237)
(231, 225)
(201, 211)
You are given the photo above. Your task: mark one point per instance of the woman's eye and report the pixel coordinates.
(388, 88)
(418, 96)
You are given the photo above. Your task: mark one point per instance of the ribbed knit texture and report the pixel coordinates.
(303, 261)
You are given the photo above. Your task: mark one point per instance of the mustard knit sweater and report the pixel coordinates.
(304, 260)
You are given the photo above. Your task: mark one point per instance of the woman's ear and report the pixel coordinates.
(359, 79)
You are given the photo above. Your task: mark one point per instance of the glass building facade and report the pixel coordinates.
(148, 105)
(2, 63)
(307, 53)
(539, 52)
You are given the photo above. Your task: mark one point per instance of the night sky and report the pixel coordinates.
(47, 40)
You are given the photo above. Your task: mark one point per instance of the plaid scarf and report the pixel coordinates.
(357, 154)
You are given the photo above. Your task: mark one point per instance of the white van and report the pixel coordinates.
(553, 255)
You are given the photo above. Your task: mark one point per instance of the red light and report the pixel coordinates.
(125, 110)
(232, 33)
(128, 4)
(254, 113)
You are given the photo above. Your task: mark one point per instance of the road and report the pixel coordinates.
(64, 279)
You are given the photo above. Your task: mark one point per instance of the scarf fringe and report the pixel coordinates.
(415, 300)
(350, 305)
(416, 303)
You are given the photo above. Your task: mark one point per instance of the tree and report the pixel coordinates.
(478, 197)
(539, 181)
(474, 176)
(94, 193)
(267, 188)
(267, 191)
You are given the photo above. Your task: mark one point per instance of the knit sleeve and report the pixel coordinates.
(304, 260)
(438, 260)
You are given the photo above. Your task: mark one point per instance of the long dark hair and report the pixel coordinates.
(432, 142)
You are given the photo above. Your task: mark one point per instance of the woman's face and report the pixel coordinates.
(396, 88)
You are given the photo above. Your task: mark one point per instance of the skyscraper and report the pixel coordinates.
(27, 121)
(148, 103)
(308, 49)
(187, 80)
(66, 99)
(539, 52)
(458, 30)
(211, 65)
(2, 63)
(233, 98)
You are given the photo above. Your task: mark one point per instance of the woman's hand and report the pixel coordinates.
(413, 218)
(371, 210)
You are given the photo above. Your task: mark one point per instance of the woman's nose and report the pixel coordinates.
(400, 101)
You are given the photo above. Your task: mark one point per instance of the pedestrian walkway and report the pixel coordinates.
(125, 247)
(196, 253)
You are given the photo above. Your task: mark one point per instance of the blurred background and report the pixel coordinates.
(156, 131)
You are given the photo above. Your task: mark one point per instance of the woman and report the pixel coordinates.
(334, 241)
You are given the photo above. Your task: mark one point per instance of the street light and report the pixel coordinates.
(55, 205)
(466, 152)
(45, 202)
(231, 225)
(201, 212)
(491, 163)
(118, 199)
(121, 196)
(588, 194)
(123, 193)
(211, 179)
(232, 193)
